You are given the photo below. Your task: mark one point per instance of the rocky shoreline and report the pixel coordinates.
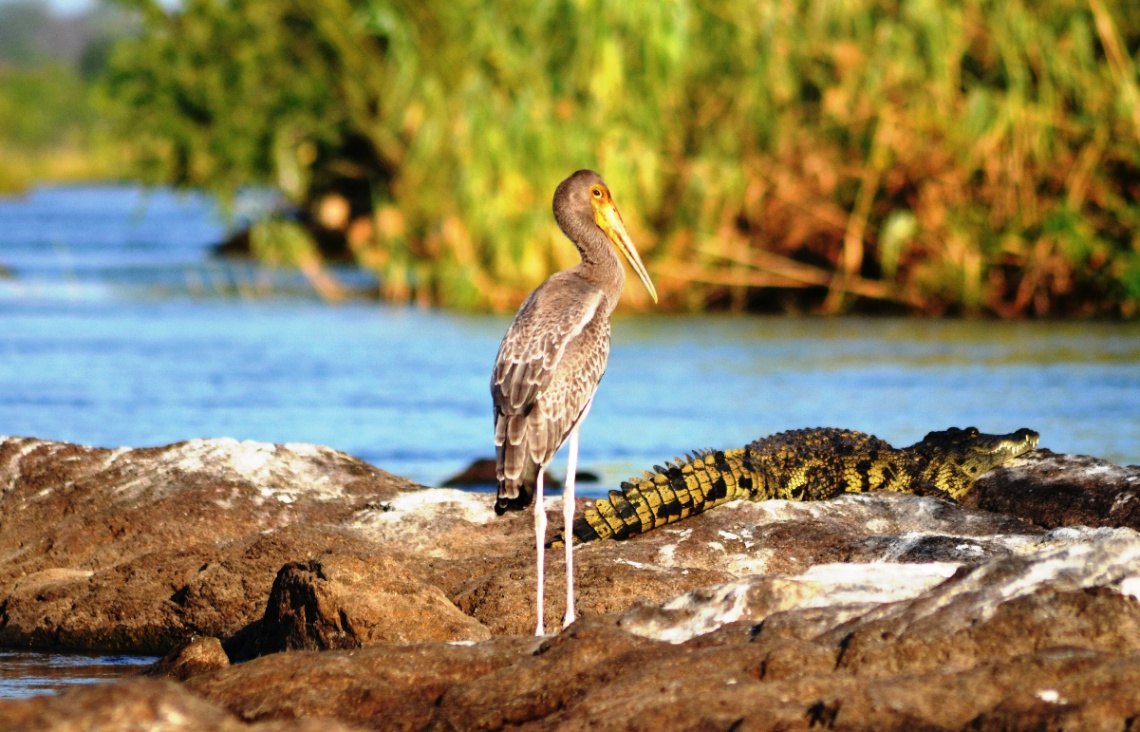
(293, 587)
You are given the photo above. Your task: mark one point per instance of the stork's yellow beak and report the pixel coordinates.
(609, 220)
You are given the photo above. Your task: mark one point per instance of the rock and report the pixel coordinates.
(738, 539)
(155, 706)
(1062, 490)
(393, 687)
(1016, 633)
(1082, 595)
(879, 611)
(1065, 559)
(481, 471)
(352, 602)
(149, 603)
(1099, 691)
(137, 549)
(193, 656)
(949, 655)
(88, 505)
(503, 599)
(233, 514)
(443, 523)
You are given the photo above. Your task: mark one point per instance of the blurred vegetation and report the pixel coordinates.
(50, 126)
(931, 156)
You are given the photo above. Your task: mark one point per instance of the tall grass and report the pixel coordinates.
(979, 156)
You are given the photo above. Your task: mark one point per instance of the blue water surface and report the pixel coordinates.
(117, 328)
(25, 674)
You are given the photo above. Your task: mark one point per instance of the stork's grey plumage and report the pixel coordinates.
(554, 355)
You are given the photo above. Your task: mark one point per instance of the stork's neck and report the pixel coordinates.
(601, 267)
(600, 264)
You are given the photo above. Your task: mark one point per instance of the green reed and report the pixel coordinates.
(979, 156)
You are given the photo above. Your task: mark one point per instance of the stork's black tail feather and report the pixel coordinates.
(521, 494)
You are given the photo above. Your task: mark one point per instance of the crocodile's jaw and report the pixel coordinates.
(975, 453)
(984, 455)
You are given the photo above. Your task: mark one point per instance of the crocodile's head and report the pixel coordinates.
(957, 457)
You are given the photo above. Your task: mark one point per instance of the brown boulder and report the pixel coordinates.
(973, 649)
(150, 602)
(948, 656)
(879, 611)
(1071, 690)
(503, 599)
(389, 687)
(67, 505)
(1054, 490)
(193, 656)
(351, 602)
(137, 549)
(162, 579)
(154, 706)
(598, 677)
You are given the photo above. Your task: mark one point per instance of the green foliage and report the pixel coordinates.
(49, 128)
(36, 105)
(49, 125)
(980, 155)
(230, 94)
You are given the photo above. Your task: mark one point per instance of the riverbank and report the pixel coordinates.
(298, 583)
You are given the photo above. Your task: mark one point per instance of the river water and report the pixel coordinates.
(118, 329)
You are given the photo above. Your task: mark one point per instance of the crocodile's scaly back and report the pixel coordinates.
(681, 489)
(817, 464)
(798, 465)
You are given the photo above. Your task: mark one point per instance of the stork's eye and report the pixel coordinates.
(597, 192)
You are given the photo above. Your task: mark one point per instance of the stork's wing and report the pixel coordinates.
(548, 367)
(532, 350)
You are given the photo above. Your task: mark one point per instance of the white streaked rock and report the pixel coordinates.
(1074, 559)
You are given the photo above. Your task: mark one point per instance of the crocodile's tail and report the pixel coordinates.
(683, 488)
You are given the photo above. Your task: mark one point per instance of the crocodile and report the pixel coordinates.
(798, 465)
